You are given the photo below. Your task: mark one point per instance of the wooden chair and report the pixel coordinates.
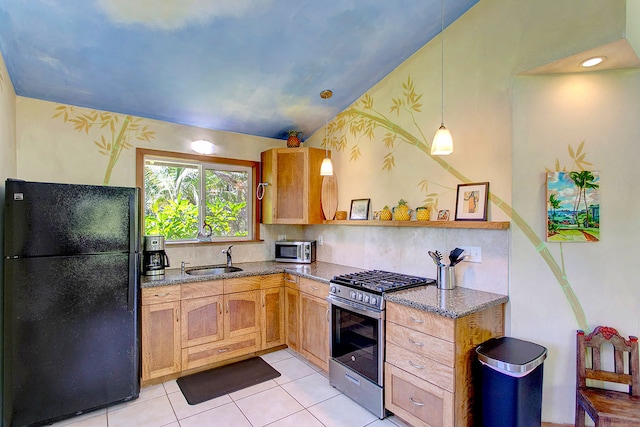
(607, 407)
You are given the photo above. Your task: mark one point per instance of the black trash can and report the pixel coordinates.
(509, 383)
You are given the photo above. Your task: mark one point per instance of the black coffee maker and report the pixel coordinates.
(154, 258)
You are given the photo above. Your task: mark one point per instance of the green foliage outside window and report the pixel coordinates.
(172, 201)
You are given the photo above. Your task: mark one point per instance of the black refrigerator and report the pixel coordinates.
(71, 271)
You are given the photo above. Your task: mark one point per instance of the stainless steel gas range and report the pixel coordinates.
(357, 333)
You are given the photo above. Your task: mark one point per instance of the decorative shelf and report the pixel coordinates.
(487, 225)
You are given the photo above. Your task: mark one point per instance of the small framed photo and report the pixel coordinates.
(471, 201)
(443, 215)
(359, 209)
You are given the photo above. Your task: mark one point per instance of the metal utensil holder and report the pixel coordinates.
(446, 278)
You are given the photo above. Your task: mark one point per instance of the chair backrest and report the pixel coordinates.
(593, 343)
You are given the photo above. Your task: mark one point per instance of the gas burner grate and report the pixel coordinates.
(381, 281)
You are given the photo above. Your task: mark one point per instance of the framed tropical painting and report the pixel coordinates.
(573, 206)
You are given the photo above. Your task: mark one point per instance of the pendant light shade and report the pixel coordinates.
(442, 144)
(326, 168)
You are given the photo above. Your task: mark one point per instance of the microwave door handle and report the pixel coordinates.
(299, 248)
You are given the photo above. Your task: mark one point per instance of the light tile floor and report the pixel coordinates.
(300, 397)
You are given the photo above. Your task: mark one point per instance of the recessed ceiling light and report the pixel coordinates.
(592, 62)
(203, 147)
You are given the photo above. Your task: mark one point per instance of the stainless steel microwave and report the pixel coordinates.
(303, 252)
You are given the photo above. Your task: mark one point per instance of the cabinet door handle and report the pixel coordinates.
(219, 308)
(263, 301)
(419, 344)
(416, 402)
(413, 319)
(327, 315)
(177, 315)
(415, 366)
(227, 306)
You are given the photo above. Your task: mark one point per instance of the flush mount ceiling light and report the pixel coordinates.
(592, 62)
(442, 141)
(326, 168)
(203, 147)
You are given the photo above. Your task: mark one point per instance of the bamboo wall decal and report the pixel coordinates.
(366, 119)
(119, 132)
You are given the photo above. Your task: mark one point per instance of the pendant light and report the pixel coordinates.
(442, 142)
(326, 168)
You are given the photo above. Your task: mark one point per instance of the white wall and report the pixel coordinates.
(551, 113)
(506, 133)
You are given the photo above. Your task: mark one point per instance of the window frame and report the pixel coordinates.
(143, 153)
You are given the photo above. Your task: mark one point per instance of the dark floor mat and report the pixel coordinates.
(217, 382)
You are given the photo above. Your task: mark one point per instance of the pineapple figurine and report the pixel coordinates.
(402, 211)
(385, 214)
(423, 213)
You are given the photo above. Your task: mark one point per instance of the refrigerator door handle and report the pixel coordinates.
(133, 281)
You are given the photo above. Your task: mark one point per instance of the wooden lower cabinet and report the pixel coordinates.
(314, 322)
(272, 317)
(242, 314)
(292, 312)
(429, 363)
(415, 400)
(160, 332)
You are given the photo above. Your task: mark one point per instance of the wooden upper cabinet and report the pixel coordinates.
(295, 186)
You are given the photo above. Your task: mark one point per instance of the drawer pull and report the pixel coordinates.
(289, 280)
(419, 344)
(314, 288)
(223, 350)
(162, 295)
(415, 366)
(416, 402)
(413, 319)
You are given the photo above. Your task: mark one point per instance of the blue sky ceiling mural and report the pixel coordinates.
(249, 66)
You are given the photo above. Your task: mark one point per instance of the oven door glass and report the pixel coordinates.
(357, 341)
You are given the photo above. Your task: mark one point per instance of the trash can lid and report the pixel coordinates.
(511, 356)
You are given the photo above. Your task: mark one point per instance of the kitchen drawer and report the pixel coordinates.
(205, 354)
(421, 366)
(425, 345)
(201, 289)
(160, 294)
(291, 281)
(272, 281)
(312, 287)
(416, 401)
(241, 284)
(422, 321)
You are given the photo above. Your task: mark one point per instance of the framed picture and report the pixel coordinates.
(359, 209)
(471, 201)
(573, 206)
(443, 215)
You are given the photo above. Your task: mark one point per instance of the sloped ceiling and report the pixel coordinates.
(250, 66)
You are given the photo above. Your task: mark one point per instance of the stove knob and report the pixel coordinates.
(360, 296)
(374, 301)
(366, 298)
(333, 289)
(352, 295)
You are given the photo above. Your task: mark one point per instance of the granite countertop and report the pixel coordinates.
(452, 303)
(320, 271)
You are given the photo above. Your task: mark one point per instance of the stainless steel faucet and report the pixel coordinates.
(183, 265)
(228, 252)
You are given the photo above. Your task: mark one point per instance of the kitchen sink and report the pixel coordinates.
(211, 270)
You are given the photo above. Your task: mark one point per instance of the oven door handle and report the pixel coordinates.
(355, 307)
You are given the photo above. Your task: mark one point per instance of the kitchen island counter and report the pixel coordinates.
(453, 303)
(319, 271)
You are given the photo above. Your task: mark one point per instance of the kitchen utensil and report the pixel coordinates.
(454, 255)
(439, 255)
(435, 258)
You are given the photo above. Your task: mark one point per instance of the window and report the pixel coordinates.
(191, 198)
